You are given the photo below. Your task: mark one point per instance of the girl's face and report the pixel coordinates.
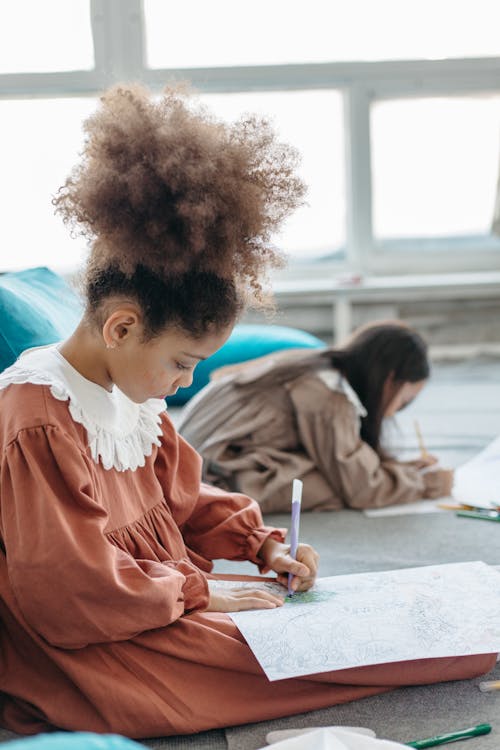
(157, 368)
(398, 395)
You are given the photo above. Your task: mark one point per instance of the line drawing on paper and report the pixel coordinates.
(374, 618)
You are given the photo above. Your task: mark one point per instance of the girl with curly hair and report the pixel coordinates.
(107, 534)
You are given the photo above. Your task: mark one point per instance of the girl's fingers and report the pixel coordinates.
(255, 602)
(303, 568)
(236, 600)
(295, 567)
(303, 575)
(259, 594)
(304, 585)
(297, 584)
(309, 557)
(242, 599)
(425, 461)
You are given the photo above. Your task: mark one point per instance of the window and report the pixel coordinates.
(208, 33)
(434, 166)
(52, 35)
(40, 143)
(395, 108)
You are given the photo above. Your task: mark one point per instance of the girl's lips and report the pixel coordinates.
(166, 395)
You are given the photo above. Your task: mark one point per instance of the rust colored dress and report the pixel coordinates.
(106, 542)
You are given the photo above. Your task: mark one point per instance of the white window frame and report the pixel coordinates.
(119, 43)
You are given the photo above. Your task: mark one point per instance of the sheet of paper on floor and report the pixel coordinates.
(421, 506)
(478, 481)
(375, 618)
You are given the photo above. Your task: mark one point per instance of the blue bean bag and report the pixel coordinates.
(246, 342)
(74, 741)
(37, 307)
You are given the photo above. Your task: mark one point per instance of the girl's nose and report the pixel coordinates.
(185, 379)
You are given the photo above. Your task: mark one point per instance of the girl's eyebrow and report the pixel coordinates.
(193, 356)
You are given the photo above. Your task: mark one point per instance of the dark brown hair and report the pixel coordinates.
(178, 206)
(370, 357)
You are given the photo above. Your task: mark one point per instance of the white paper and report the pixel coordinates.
(421, 506)
(375, 618)
(278, 735)
(477, 482)
(334, 738)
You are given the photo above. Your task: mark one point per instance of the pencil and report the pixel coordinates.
(441, 739)
(488, 515)
(294, 542)
(421, 444)
(485, 687)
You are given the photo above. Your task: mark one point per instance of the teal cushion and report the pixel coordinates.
(246, 342)
(74, 741)
(37, 307)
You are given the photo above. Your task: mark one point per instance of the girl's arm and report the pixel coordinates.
(229, 526)
(72, 586)
(215, 524)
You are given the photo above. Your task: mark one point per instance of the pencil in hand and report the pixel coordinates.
(423, 450)
(294, 543)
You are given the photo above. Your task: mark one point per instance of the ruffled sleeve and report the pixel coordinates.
(72, 585)
(215, 524)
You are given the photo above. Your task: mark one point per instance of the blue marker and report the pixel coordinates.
(294, 540)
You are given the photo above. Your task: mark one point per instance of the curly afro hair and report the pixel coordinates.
(164, 189)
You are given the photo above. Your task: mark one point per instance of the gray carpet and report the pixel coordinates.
(403, 715)
(214, 740)
(459, 413)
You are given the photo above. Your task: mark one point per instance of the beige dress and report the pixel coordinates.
(106, 543)
(291, 415)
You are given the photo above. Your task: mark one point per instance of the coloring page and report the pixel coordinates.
(476, 481)
(374, 618)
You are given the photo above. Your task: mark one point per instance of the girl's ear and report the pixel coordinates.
(121, 325)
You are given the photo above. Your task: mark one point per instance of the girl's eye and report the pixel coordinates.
(180, 366)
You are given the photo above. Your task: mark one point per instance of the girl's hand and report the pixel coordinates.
(238, 599)
(276, 556)
(424, 462)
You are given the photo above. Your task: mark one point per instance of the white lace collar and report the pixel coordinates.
(120, 432)
(336, 382)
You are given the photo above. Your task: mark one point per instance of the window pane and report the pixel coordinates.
(39, 146)
(311, 121)
(435, 166)
(197, 33)
(45, 35)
